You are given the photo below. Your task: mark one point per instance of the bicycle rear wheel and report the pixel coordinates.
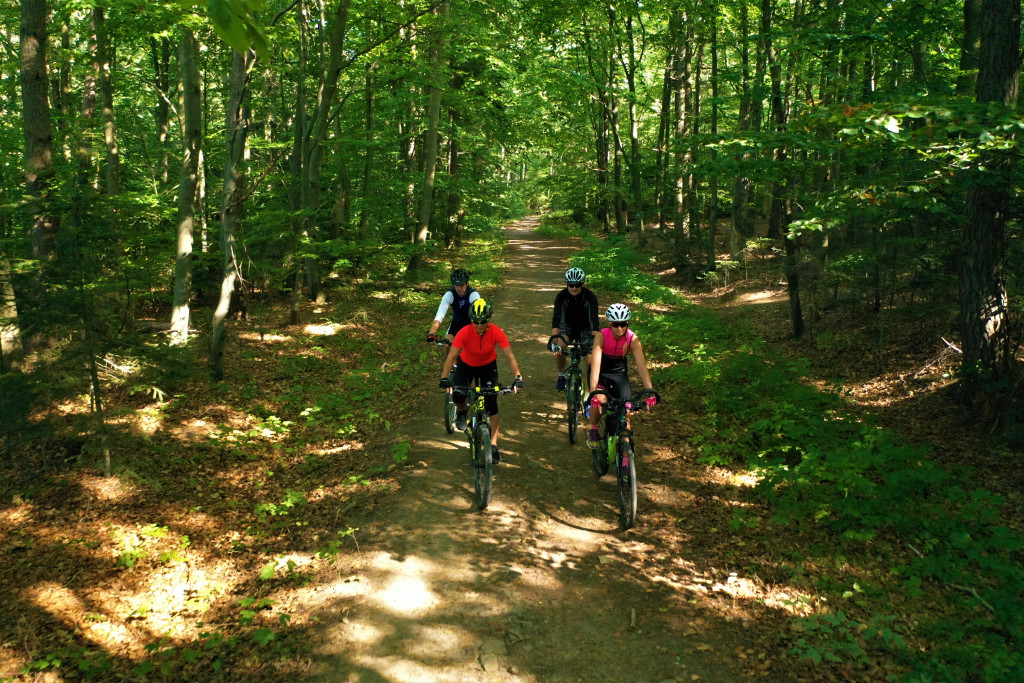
(483, 467)
(601, 452)
(572, 404)
(449, 413)
(626, 465)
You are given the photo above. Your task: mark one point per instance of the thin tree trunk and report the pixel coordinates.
(10, 332)
(104, 59)
(431, 137)
(967, 81)
(191, 108)
(364, 217)
(236, 133)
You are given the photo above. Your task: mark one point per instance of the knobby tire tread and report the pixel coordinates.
(483, 466)
(626, 467)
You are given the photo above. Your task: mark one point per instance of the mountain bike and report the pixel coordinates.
(574, 391)
(615, 443)
(478, 429)
(449, 406)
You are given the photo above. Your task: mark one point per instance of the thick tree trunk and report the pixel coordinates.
(37, 127)
(191, 108)
(236, 133)
(984, 314)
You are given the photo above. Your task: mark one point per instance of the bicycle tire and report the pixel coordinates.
(601, 456)
(483, 466)
(626, 466)
(572, 406)
(449, 413)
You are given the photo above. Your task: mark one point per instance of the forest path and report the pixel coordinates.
(540, 587)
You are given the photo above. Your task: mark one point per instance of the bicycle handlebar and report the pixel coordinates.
(496, 390)
(568, 344)
(636, 400)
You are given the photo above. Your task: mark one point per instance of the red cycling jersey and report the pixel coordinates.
(478, 349)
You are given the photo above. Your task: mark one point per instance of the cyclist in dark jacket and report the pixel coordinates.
(575, 318)
(458, 298)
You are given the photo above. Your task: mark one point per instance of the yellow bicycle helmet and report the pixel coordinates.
(480, 311)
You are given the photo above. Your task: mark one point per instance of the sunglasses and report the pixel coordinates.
(479, 322)
(620, 324)
(572, 286)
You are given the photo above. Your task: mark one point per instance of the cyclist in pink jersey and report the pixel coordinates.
(608, 367)
(476, 346)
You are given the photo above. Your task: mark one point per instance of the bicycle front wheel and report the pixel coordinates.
(483, 466)
(626, 465)
(449, 413)
(572, 405)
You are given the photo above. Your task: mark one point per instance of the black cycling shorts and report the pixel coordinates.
(485, 376)
(616, 384)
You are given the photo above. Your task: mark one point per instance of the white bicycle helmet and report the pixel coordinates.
(575, 276)
(618, 313)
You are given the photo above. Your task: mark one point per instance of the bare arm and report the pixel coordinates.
(641, 363)
(453, 353)
(511, 358)
(595, 360)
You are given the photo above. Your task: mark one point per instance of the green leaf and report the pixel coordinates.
(263, 636)
(268, 570)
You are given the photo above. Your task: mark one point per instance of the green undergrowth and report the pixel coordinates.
(930, 540)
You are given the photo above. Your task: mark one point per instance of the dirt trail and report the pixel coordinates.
(542, 586)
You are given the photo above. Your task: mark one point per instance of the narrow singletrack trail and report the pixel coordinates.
(540, 587)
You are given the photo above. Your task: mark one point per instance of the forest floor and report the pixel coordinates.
(396, 576)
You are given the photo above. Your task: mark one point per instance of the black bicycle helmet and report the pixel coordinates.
(480, 311)
(575, 276)
(460, 276)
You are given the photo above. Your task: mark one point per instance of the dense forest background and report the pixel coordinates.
(168, 169)
(152, 167)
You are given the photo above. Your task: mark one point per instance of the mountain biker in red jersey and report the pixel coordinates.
(475, 346)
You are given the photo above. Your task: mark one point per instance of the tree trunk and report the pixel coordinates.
(967, 81)
(431, 136)
(749, 119)
(10, 333)
(104, 59)
(984, 314)
(312, 163)
(236, 132)
(364, 217)
(191, 108)
(161, 54)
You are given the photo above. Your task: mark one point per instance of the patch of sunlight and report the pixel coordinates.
(406, 595)
(760, 297)
(400, 669)
(64, 605)
(747, 479)
(255, 336)
(105, 488)
(325, 329)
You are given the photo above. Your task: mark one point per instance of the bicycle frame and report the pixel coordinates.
(617, 446)
(478, 429)
(574, 390)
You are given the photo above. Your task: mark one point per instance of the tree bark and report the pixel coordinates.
(431, 136)
(984, 313)
(188, 52)
(967, 81)
(236, 133)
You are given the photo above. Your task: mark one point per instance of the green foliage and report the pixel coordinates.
(819, 465)
(612, 265)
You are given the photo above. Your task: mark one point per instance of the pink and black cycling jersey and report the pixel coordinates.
(614, 351)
